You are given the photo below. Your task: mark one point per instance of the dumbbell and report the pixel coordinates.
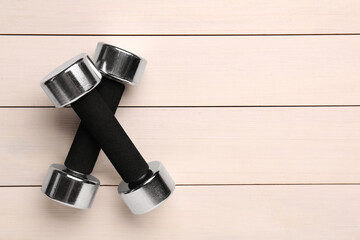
(71, 183)
(144, 186)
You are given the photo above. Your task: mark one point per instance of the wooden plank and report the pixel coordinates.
(200, 71)
(179, 17)
(231, 212)
(198, 145)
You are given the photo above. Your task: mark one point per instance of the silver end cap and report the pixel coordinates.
(151, 193)
(119, 64)
(71, 80)
(69, 187)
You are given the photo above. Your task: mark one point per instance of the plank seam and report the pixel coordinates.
(209, 106)
(177, 35)
(215, 184)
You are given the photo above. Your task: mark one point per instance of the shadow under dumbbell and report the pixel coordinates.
(57, 211)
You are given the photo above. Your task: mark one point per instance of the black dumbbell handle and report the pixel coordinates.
(84, 150)
(101, 123)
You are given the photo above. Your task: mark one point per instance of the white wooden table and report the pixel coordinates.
(252, 105)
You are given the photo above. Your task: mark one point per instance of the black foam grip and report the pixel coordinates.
(84, 150)
(101, 123)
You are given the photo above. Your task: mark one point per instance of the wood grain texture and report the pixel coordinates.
(200, 71)
(244, 172)
(179, 17)
(227, 212)
(198, 145)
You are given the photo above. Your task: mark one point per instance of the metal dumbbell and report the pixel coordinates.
(144, 186)
(71, 183)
